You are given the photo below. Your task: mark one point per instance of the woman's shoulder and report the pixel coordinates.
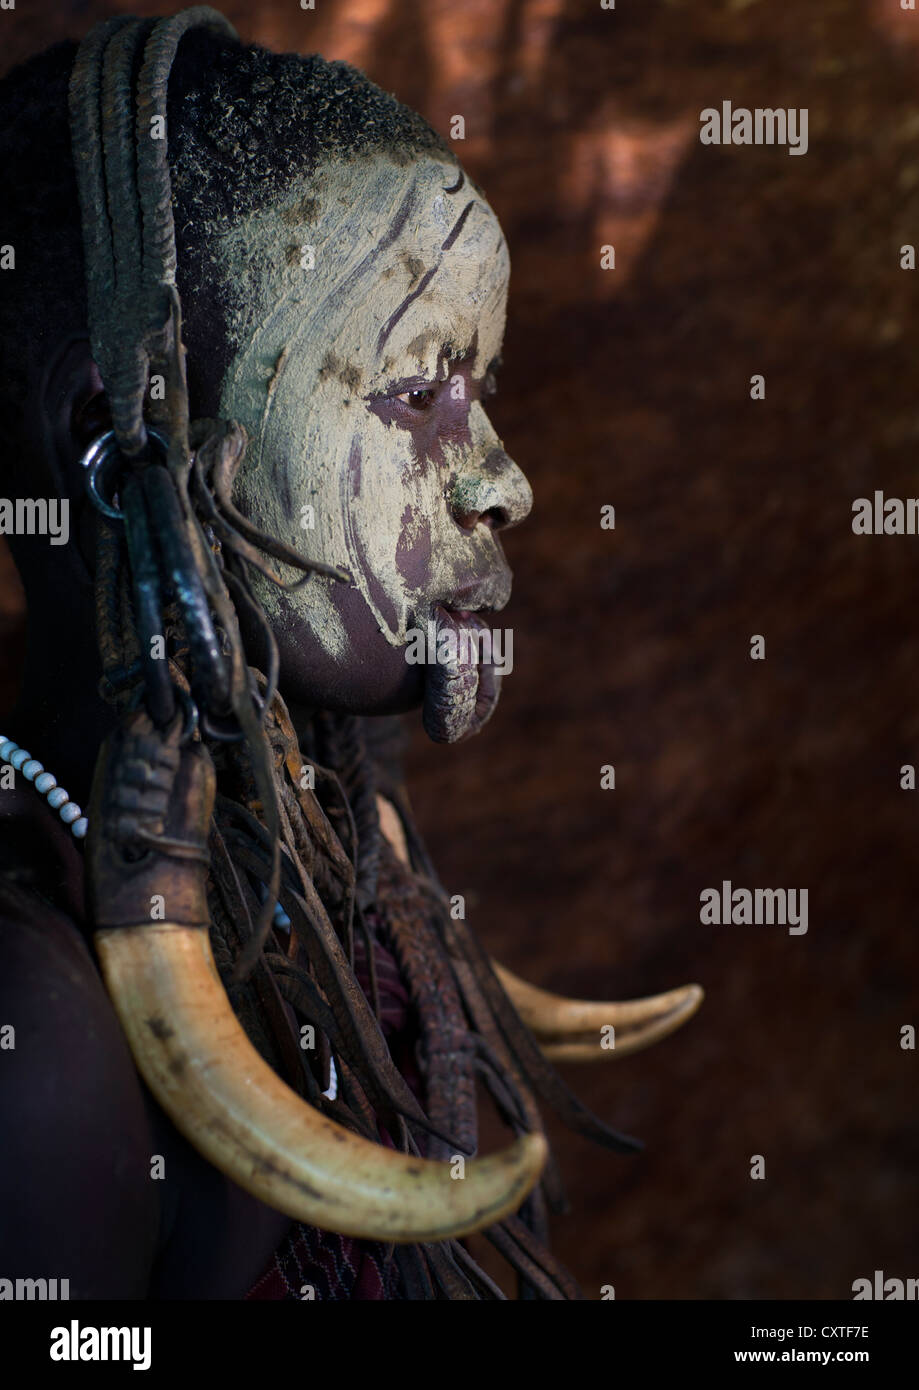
(75, 1184)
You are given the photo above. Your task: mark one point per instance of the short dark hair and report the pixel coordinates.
(243, 124)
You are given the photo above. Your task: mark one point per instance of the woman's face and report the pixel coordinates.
(371, 314)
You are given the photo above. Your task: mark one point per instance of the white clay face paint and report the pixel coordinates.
(311, 355)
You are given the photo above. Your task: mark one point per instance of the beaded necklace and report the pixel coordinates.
(46, 784)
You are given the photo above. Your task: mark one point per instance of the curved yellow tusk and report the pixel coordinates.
(198, 1062)
(575, 1030)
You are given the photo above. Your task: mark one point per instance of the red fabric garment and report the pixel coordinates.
(335, 1267)
(319, 1264)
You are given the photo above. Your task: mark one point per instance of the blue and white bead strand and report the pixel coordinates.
(45, 783)
(59, 800)
(71, 814)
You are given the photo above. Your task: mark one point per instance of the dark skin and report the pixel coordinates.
(378, 679)
(81, 1129)
(377, 419)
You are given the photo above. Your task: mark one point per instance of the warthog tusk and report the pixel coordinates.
(572, 1030)
(198, 1062)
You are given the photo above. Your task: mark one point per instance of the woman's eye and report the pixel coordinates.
(419, 400)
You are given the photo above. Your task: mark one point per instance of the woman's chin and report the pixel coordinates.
(368, 688)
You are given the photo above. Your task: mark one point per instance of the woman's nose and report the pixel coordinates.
(494, 490)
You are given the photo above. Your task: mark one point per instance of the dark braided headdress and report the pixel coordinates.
(296, 819)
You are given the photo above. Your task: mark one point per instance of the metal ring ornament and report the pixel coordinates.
(99, 461)
(190, 715)
(225, 731)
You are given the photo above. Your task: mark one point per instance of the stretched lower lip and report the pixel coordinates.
(459, 698)
(463, 615)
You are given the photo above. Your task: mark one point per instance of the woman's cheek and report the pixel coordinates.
(392, 515)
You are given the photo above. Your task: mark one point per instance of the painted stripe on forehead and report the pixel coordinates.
(396, 315)
(455, 187)
(405, 210)
(426, 279)
(333, 300)
(458, 225)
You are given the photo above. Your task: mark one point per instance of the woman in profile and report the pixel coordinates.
(255, 318)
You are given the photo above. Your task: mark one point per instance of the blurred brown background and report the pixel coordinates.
(631, 387)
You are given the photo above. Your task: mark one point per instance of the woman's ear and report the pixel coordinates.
(90, 415)
(74, 405)
(73, 411)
